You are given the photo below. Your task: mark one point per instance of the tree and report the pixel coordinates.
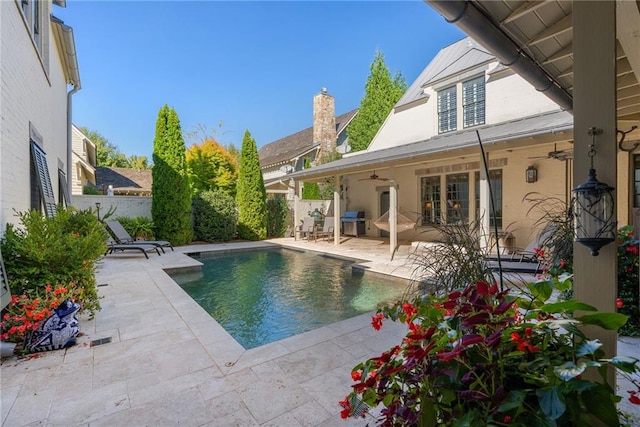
(109, 155)
(211, 167)
(171, 202)
(251, 195)
(310, 190)
(381, 93)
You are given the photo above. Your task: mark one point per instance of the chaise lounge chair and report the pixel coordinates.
(113, 246)
(124, 238)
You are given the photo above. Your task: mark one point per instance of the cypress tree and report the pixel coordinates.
(251, 196)
(171, 202)
(381, 93)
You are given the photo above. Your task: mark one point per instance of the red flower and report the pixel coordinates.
(619, 302)
(528, 332)
(344, 414)
(356, 375)
(376, 321)
(507, 419)
(409, 309)
(563, 263)
(634, 398)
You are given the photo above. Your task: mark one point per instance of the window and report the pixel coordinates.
(447, 116)
(33, 15)
(495, 181)
(473, 102)
(430, 202)
(636, 181)
(458, 198)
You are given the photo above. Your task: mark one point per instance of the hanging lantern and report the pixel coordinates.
(594, 208)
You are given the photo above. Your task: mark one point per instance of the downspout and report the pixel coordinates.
(466, 16)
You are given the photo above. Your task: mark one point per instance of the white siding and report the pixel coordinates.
(27, 95)
(508, 97)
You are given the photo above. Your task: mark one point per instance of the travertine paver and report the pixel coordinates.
(169, 363)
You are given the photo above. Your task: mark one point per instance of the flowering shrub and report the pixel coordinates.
(27, 311)
(485, 357)
(628, 291)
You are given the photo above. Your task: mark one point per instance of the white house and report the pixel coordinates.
(38, 75)
(84, 160)
(425, 161)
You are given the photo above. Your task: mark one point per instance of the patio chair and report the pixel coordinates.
(113, 246)
(306, 229)
(326, 230)
(124, 238)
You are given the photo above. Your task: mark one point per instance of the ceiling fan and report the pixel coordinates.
(374, 177)
(556, 154)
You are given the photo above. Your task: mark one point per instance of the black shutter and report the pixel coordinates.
(44, 180)
(64, 190)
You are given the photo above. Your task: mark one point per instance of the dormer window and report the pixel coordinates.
(473, 102)
(447, 115)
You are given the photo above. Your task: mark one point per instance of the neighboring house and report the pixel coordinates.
(38, 74)
(287, 155)
(428, 154)
(84, 161)
(124, 181)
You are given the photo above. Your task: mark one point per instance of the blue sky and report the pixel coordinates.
(248, 65)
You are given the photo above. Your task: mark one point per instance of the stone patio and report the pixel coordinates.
(167, 362)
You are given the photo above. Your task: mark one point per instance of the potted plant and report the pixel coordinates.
(481, 356)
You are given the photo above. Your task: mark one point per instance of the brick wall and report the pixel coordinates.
(32, 90)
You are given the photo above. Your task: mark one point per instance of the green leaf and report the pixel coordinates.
(610, 321)
(551, 402)
(468, 420)
(541, 290)
(625, 364)
(588, 347)
(569, 370)
(567, 307)
(427, 412)
(598, 401)
(513, 400)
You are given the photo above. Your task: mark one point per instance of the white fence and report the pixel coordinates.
(129, 206)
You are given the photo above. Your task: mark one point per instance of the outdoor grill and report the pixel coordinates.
(353, 223)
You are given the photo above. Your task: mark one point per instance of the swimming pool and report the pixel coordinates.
(262, 296)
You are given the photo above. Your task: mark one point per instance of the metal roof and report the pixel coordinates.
(420, 151)
(451, 60)
(539, 36)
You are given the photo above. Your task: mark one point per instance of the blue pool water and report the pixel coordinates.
(262, 296)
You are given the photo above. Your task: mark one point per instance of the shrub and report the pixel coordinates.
(89, 190)
(139, 227)
(214, 216)
(277, 210)
(55, 250)
(628, 289)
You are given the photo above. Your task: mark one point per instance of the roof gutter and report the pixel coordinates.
(470, 19)
(69, 58)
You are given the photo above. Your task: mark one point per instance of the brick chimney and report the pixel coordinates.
(324, 123)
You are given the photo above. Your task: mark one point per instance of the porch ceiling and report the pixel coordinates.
(540, 33)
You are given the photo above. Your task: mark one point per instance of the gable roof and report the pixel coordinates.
(297, 144)
(124, 180)
(453, 59)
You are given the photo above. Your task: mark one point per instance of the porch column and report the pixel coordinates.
(296, 203)
(393, 217)
(336, 210)
(485, 207)
(594, 104)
